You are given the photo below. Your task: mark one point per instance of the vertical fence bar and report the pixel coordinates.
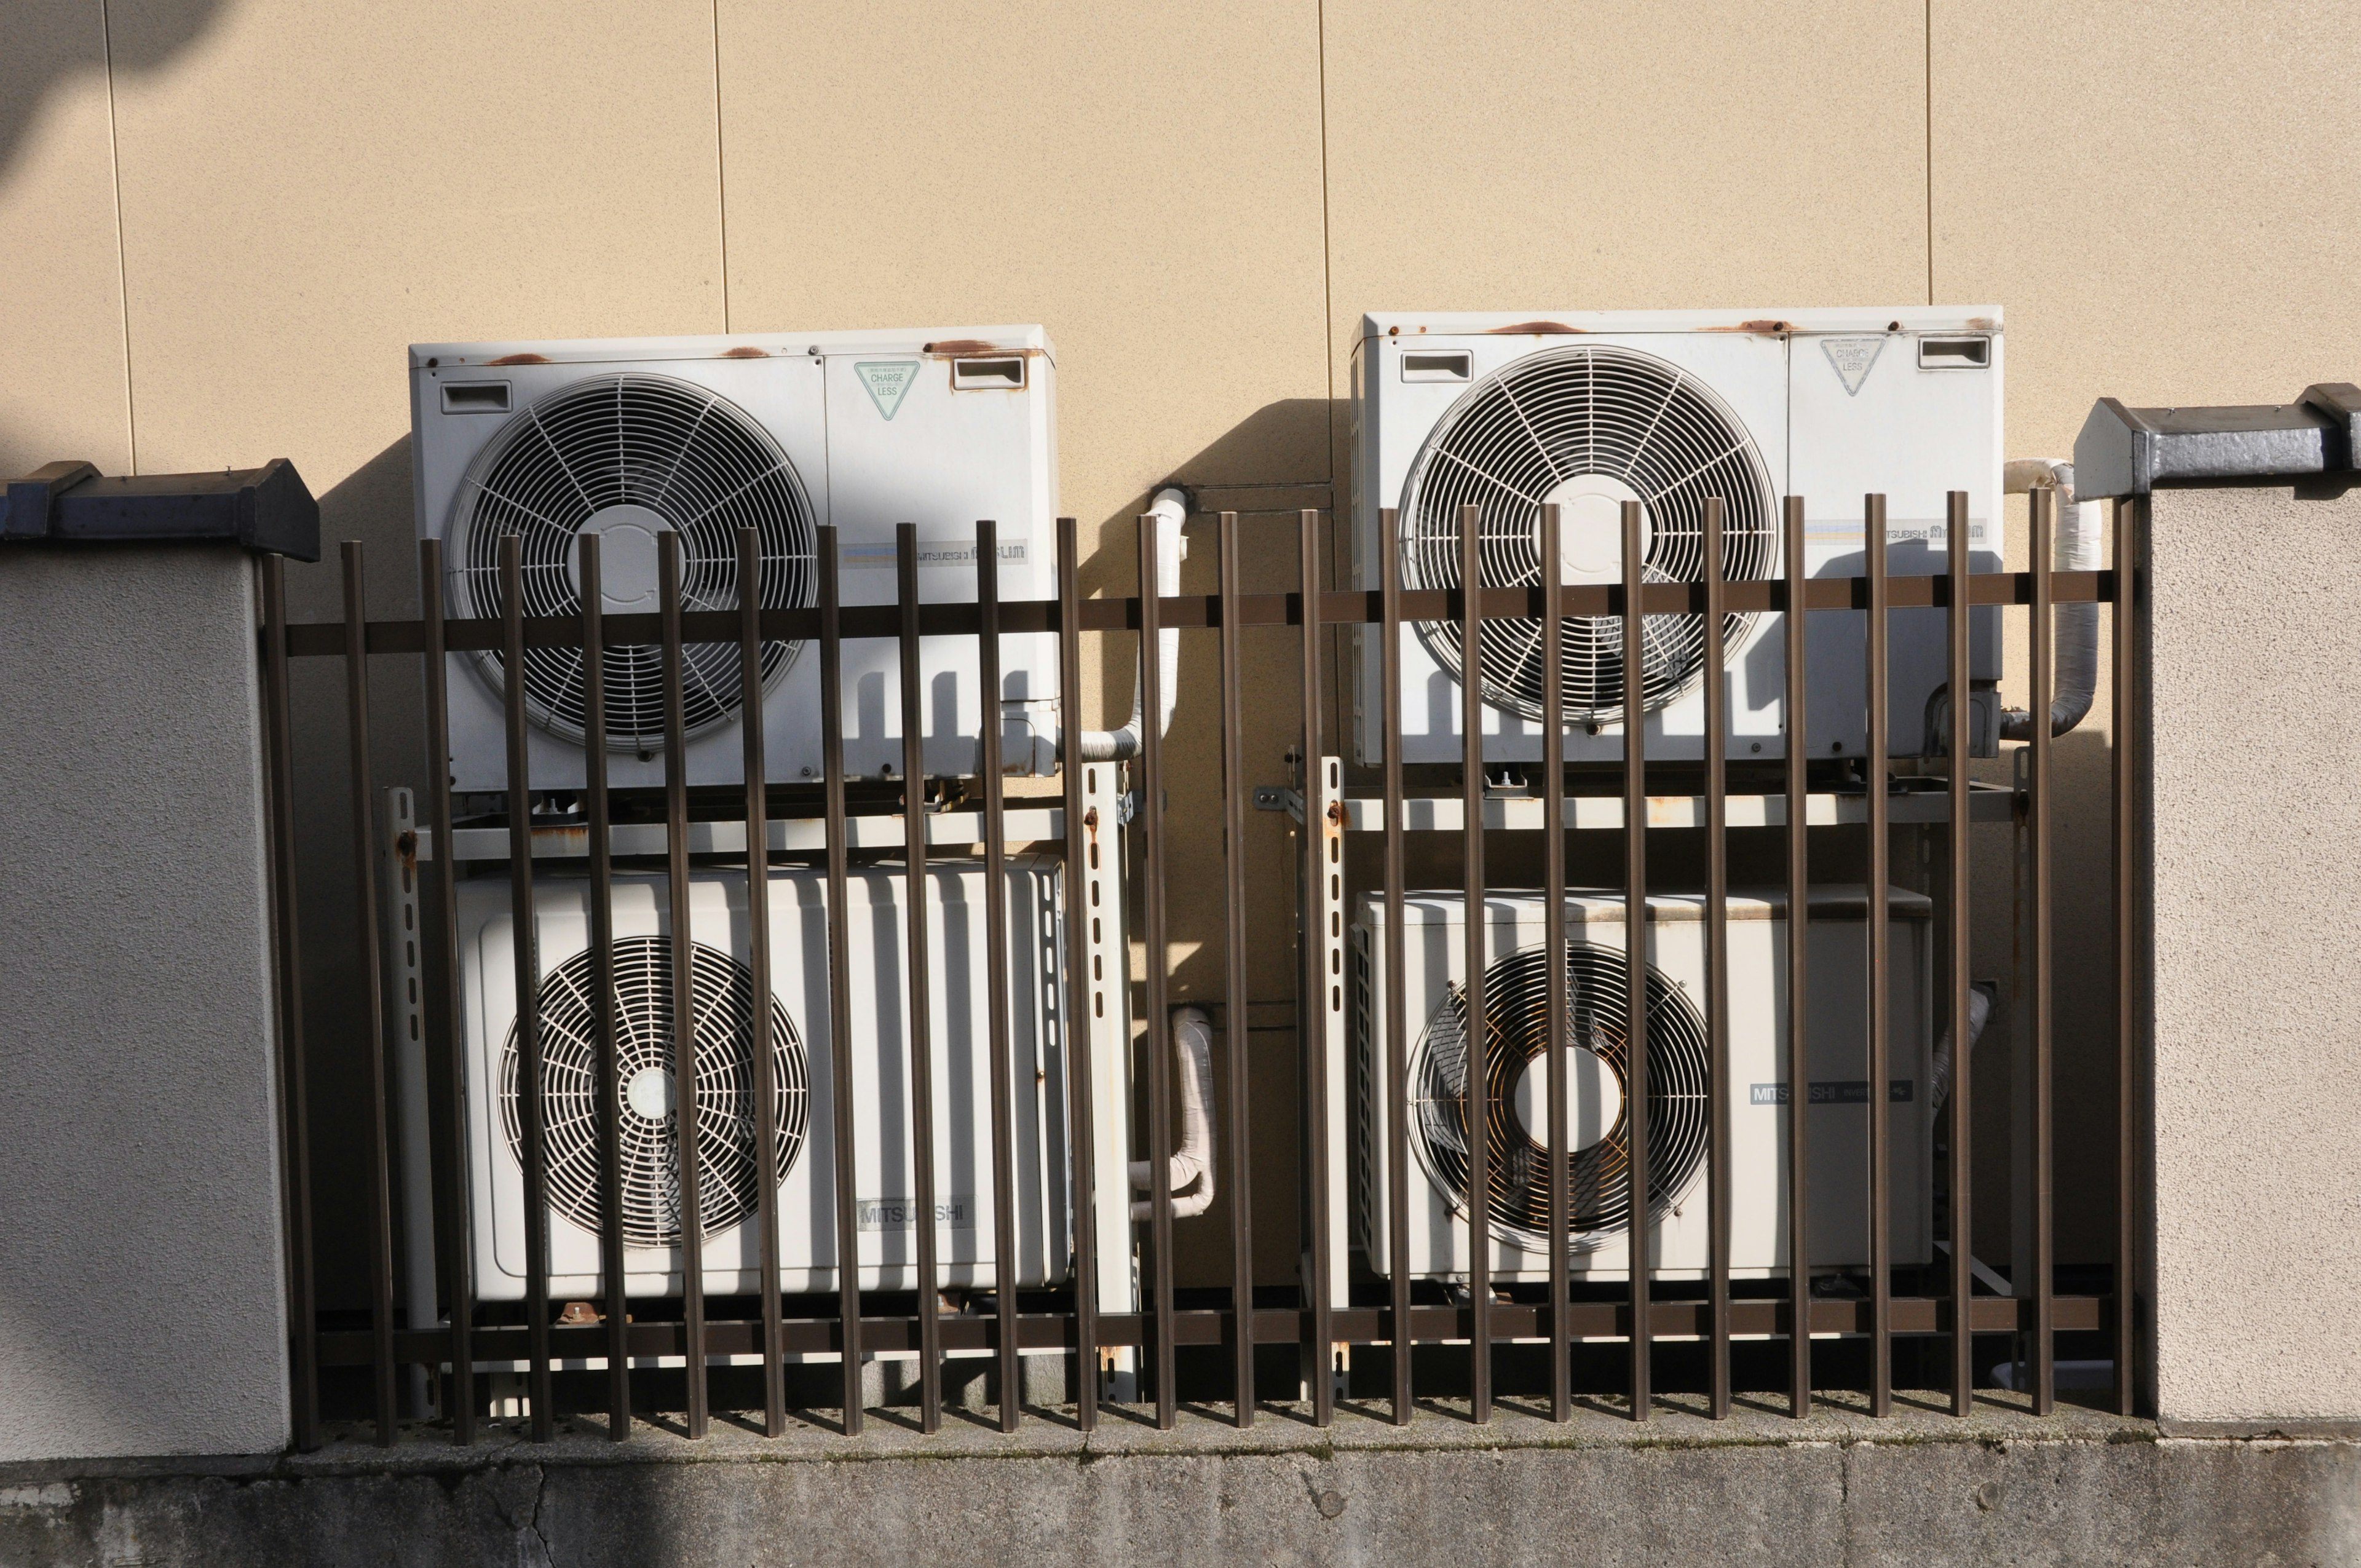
(996, 943)
(525, 944)
(303, 1316)
(1717, 962)
(2125, 787)
(1158, 1043)
(2041, 656)
(1881, 1213)
(1635, 953)
(365, 882)
(1552, 565)
(758, 971)
(1960, 626)
(839, 975)
(1312, 1014)
(1398, 1325)
(686, 1109)
(1798, 780)
(458, 1262)
(1233, 867)
(1079, 1106)
(1478, 1108)
(916, 963)
(597, 825)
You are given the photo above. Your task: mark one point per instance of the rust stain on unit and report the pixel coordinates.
(958, 348)
(521, 359)
(745, 351)
(1538, 329)
(1773, 327)
(1982, 323)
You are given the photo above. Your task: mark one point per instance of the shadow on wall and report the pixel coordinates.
(159, 33)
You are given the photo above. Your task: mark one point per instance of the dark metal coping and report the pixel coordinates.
(2130, 452)
(266, 509)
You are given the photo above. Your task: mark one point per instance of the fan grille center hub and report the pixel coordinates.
(649, 1093)
(1591, 527)
(1594, 1099)
(627, 557)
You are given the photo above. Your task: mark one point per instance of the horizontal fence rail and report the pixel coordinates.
(1311, 1306)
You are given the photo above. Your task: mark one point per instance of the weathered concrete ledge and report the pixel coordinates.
(2001, 1486)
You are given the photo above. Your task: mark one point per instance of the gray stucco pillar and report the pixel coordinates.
(142, 1299)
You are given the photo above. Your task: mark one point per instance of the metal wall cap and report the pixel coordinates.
(2131, 452)
(267, 508)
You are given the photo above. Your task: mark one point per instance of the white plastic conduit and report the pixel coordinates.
(1171, 509)
(1192, 1050)
(2077, 644)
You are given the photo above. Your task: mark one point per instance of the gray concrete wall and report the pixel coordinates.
(1759, 1489)
(142, 1305)
(2254, 697)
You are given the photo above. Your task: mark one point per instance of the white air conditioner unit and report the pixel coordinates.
(631, 438)
(1836, 1113)
(1589, 410)
(804, 1085)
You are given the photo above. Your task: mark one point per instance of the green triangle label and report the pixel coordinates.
(888, 381)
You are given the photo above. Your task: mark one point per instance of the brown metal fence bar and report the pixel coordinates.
(1313, 1038)
(683, 986)
(2125, 788)
(1233, 866)
(1079, 1107)
(597, 825)
(1873, 768)
(1635, 950)
(1716, 898)
(1398, 1320)
(758, 970)
(996, 944)
(373, 1025)
(1798, 780)
(525, 948)
(915, 965)
(1553, 943)
(457, 1263)
(1960, 626)
(1149, 783)
(382, 1357)
(1479, 1038)
(840, 974)
(2042, 653)
(303, 1323)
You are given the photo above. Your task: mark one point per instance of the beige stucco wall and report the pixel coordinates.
(220, 220)
(2256, 978)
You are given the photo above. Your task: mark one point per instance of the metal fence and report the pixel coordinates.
(1069, 1321)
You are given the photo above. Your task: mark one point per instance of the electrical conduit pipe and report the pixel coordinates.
(1192, 1050)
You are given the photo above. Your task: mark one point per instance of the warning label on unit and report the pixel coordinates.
(888, 381)
(956, 1212)
(1852, 356)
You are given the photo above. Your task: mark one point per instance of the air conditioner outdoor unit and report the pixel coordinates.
(1835, 1112)
(1589, 410)
(631, 438)
(804, 1088)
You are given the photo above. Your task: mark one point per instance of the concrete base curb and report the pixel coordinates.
(2001, 1486)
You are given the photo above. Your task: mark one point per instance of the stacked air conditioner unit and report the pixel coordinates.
(1589, 410)
(1834, 1101)
(783, 433)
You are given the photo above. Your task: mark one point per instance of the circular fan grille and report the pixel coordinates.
(1588, 427)
(629, 457)
(1516, 1012)
(723, 994)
